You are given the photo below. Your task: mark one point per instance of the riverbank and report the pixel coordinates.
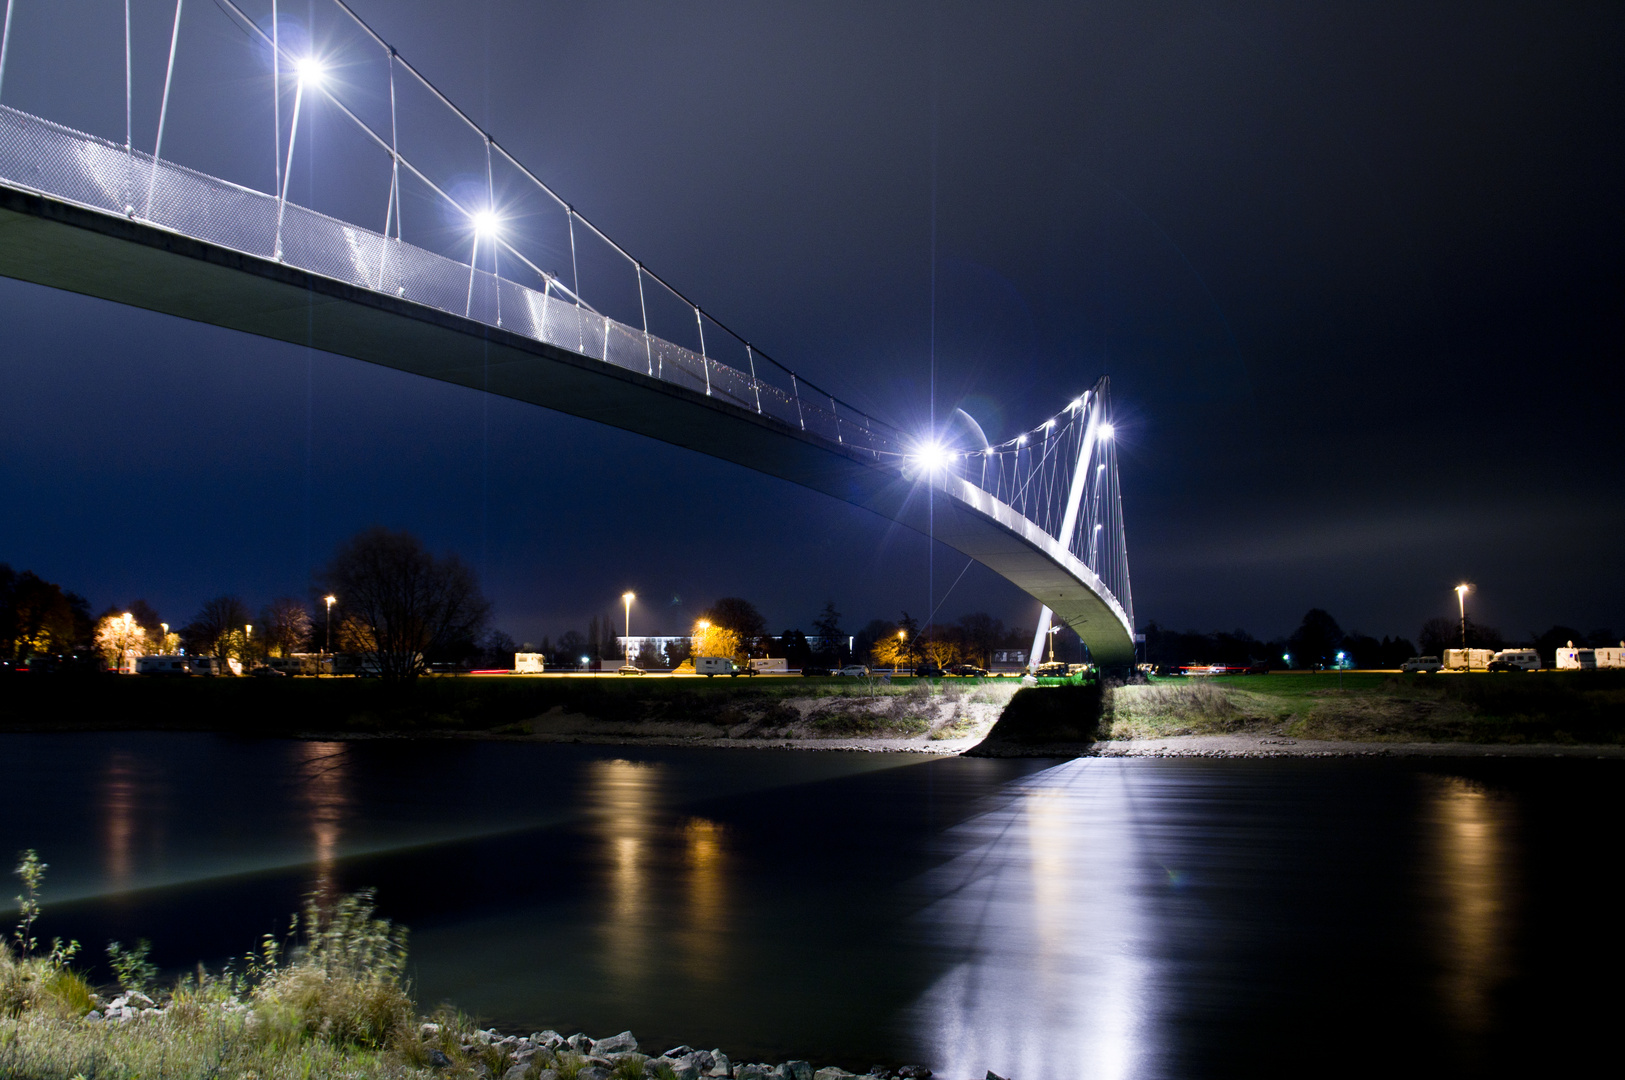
(1283, 713)
(334, 1004)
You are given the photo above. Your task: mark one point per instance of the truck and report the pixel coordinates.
(720, 665)
(1468, 659)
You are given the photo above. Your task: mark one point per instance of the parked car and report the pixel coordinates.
(854, 671)
(628, 669)
(968, 671)
(929, 671)
(1422, 664)
(1257, 667)
(268, 673)
(1055, 669)
(811, 671)
(1504, 665)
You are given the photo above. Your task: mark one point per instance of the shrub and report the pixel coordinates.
(343, 981)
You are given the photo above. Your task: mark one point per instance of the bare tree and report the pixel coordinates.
(400, 604)
(218, 629)
(285, 622)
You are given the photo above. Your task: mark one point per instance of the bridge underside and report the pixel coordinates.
(68, 247)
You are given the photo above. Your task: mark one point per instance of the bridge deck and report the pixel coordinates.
(63, 245)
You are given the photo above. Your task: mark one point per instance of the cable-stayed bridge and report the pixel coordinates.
(331, 196)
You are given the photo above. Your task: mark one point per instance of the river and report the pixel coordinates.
(1091, 918)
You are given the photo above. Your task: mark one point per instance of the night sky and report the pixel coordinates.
(1354, 271)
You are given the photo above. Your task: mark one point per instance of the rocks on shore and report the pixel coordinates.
(548, 1055)
(539, 1055)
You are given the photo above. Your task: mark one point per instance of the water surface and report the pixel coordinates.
(1093, 918)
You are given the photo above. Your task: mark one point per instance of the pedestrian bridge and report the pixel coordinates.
(480, 275)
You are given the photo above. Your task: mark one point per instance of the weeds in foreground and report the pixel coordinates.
(331, 1004)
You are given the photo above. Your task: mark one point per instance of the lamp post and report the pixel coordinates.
(627, 598)
(328, 600)
(124, 641)
(1461, 602)
(902, 636)
(1052, 631)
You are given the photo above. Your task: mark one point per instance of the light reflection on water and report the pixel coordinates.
(702, 933)
(129, 799)
(322, 769)
(1043, 903)
(1469, 851)
(623, 800)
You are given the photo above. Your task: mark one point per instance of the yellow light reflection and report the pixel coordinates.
(1471, 847)
(118, 798)
(323, 770)
(621, 798)
(703, 935)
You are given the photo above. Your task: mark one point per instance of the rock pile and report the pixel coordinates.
(547, 1055)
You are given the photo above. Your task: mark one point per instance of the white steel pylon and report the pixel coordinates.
(1091, 403)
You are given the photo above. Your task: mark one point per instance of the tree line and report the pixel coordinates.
(395, 603)
(1319, 639)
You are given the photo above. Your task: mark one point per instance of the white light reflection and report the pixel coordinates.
(1048, 905)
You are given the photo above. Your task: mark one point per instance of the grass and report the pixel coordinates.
(1543, 707)
(487, 704)
(334, 1006)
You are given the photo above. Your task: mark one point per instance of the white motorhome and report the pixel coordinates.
(1468, 659)
(164, 665)
(1526, 659)
(769, 665)
(529, 663)
(1571, 658)
(719, 665)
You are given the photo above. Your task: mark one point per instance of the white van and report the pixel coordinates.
(1423, 664)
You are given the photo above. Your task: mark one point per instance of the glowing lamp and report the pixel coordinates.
(486, 223)
(1106, 431)
(310, 70)
(932, 456)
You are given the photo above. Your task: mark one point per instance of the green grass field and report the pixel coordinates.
(1554, 707)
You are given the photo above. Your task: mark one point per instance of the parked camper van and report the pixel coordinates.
(178, 666)
(1516, 660)
(529, 663)
(1570, 658)
(719, 665)
(1468, 659)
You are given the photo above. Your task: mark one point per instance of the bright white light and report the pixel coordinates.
(1106, 431)
(1049, 423)
(932, 456)
(486, 223)
(1022, 441)
(1098, 527)
(1077, 403)
(311, 71)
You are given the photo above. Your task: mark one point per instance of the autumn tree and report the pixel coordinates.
(119, 636)
(941, 651)
(891, 651)
(37, 617)
(402, 605)
(713, 640)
